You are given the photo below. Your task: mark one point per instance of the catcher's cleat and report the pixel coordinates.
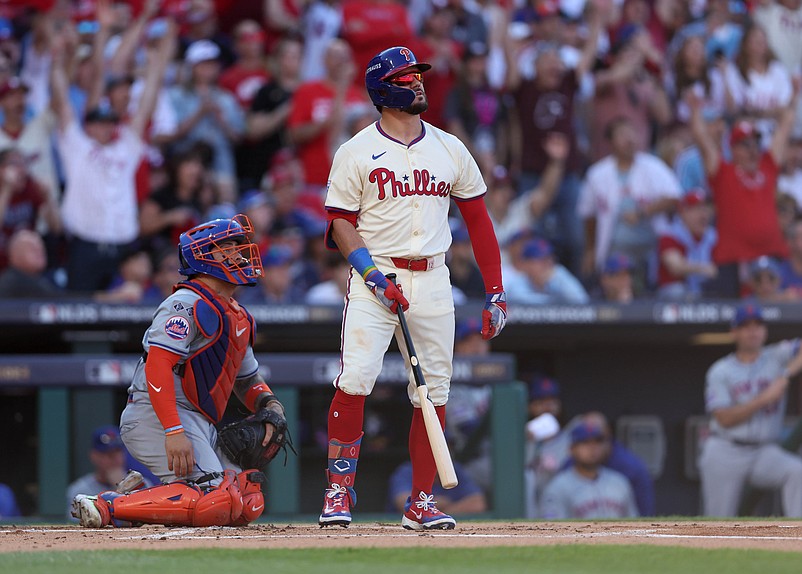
(336, 506)
(89, 514)
(131, 482)
(423, 515)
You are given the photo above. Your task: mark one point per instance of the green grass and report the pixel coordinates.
(562, 559)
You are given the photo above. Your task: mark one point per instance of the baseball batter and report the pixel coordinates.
(388, 198)
(745, 394)
(197, 352)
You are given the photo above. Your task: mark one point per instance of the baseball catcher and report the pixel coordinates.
(198, 351)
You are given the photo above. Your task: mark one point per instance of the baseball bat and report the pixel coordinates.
(437, 439)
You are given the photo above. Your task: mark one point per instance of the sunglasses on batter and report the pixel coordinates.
(407, 79)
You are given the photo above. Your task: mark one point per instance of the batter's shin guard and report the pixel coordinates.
(343, 458)
(179, 504)
(253, 501)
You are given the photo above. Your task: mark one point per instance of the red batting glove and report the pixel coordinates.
(494, 315)
(387, 292)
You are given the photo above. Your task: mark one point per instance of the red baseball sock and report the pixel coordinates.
(424, 468)
(346, 415)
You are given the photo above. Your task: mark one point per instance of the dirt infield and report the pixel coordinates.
(765, 535)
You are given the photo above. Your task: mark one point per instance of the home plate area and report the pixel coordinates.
(778, 535)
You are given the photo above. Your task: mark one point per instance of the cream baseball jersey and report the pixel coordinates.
(401, 193)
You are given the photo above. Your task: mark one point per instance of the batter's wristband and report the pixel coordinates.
(174, 430)
(361, 260)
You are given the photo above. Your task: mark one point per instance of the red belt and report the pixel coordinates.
(411, 264)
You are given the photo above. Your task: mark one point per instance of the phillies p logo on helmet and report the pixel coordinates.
(393, 61)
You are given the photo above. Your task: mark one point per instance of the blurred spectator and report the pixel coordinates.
(23, 202)
(165, 276)
(24, 278)
(207, 113)
(760, 86)
(765, 281)
(267, 118)
(790, 180)
(465, 274)
(619, 458)
(722, 35)
(249, 73)
(688, 163)
(588, 489)
(615, 280)
(322, 113)
(628, 87)
(8, 503)
(743, 190)
(277, 286)
(100, 160)
(30, 136)
(333, 289)
(465, 498)
(624, 202)
(512, 214)
(36, 59)
(787, 212)
(321, 23)
(791, 268)
(173, 209)
(259, 207)
(685, 250)
(691, 71)
(782, 21)
(438, 47)
(545, 106)
(475, 112)
(370, 26)
(132, 284)
(199, 22)
(543, 280)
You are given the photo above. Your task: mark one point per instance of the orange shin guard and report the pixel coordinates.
(253, 501)
(181, 504)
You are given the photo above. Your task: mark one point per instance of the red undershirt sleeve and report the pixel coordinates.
(483, 241)
(161, 388)
(253, 394)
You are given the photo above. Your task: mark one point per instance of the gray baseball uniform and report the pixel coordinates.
(748, 453)
(174, 329)
(571, 495)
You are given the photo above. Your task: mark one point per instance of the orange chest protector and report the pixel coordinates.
(210, 372)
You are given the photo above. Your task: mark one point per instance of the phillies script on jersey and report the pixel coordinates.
(422, 183)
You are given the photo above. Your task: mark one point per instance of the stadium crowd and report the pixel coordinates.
(631, 148)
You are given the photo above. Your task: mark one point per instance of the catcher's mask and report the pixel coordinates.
(221, 248)
(388, 64)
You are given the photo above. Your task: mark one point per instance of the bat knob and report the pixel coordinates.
(391, 277)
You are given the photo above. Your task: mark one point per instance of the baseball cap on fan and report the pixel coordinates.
(543, 388)
(106, 438)
(201, 51)
(742, 131)
(11, 85)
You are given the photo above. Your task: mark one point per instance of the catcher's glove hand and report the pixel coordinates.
(242, 441)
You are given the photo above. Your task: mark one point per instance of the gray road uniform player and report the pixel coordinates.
(745, 393)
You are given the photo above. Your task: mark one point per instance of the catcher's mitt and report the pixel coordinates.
(242, 441)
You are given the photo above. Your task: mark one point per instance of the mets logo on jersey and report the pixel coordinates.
(423, 183)
(177, 328)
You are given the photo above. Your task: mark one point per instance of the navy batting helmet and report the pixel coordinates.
(200, 251)
(391, 62)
